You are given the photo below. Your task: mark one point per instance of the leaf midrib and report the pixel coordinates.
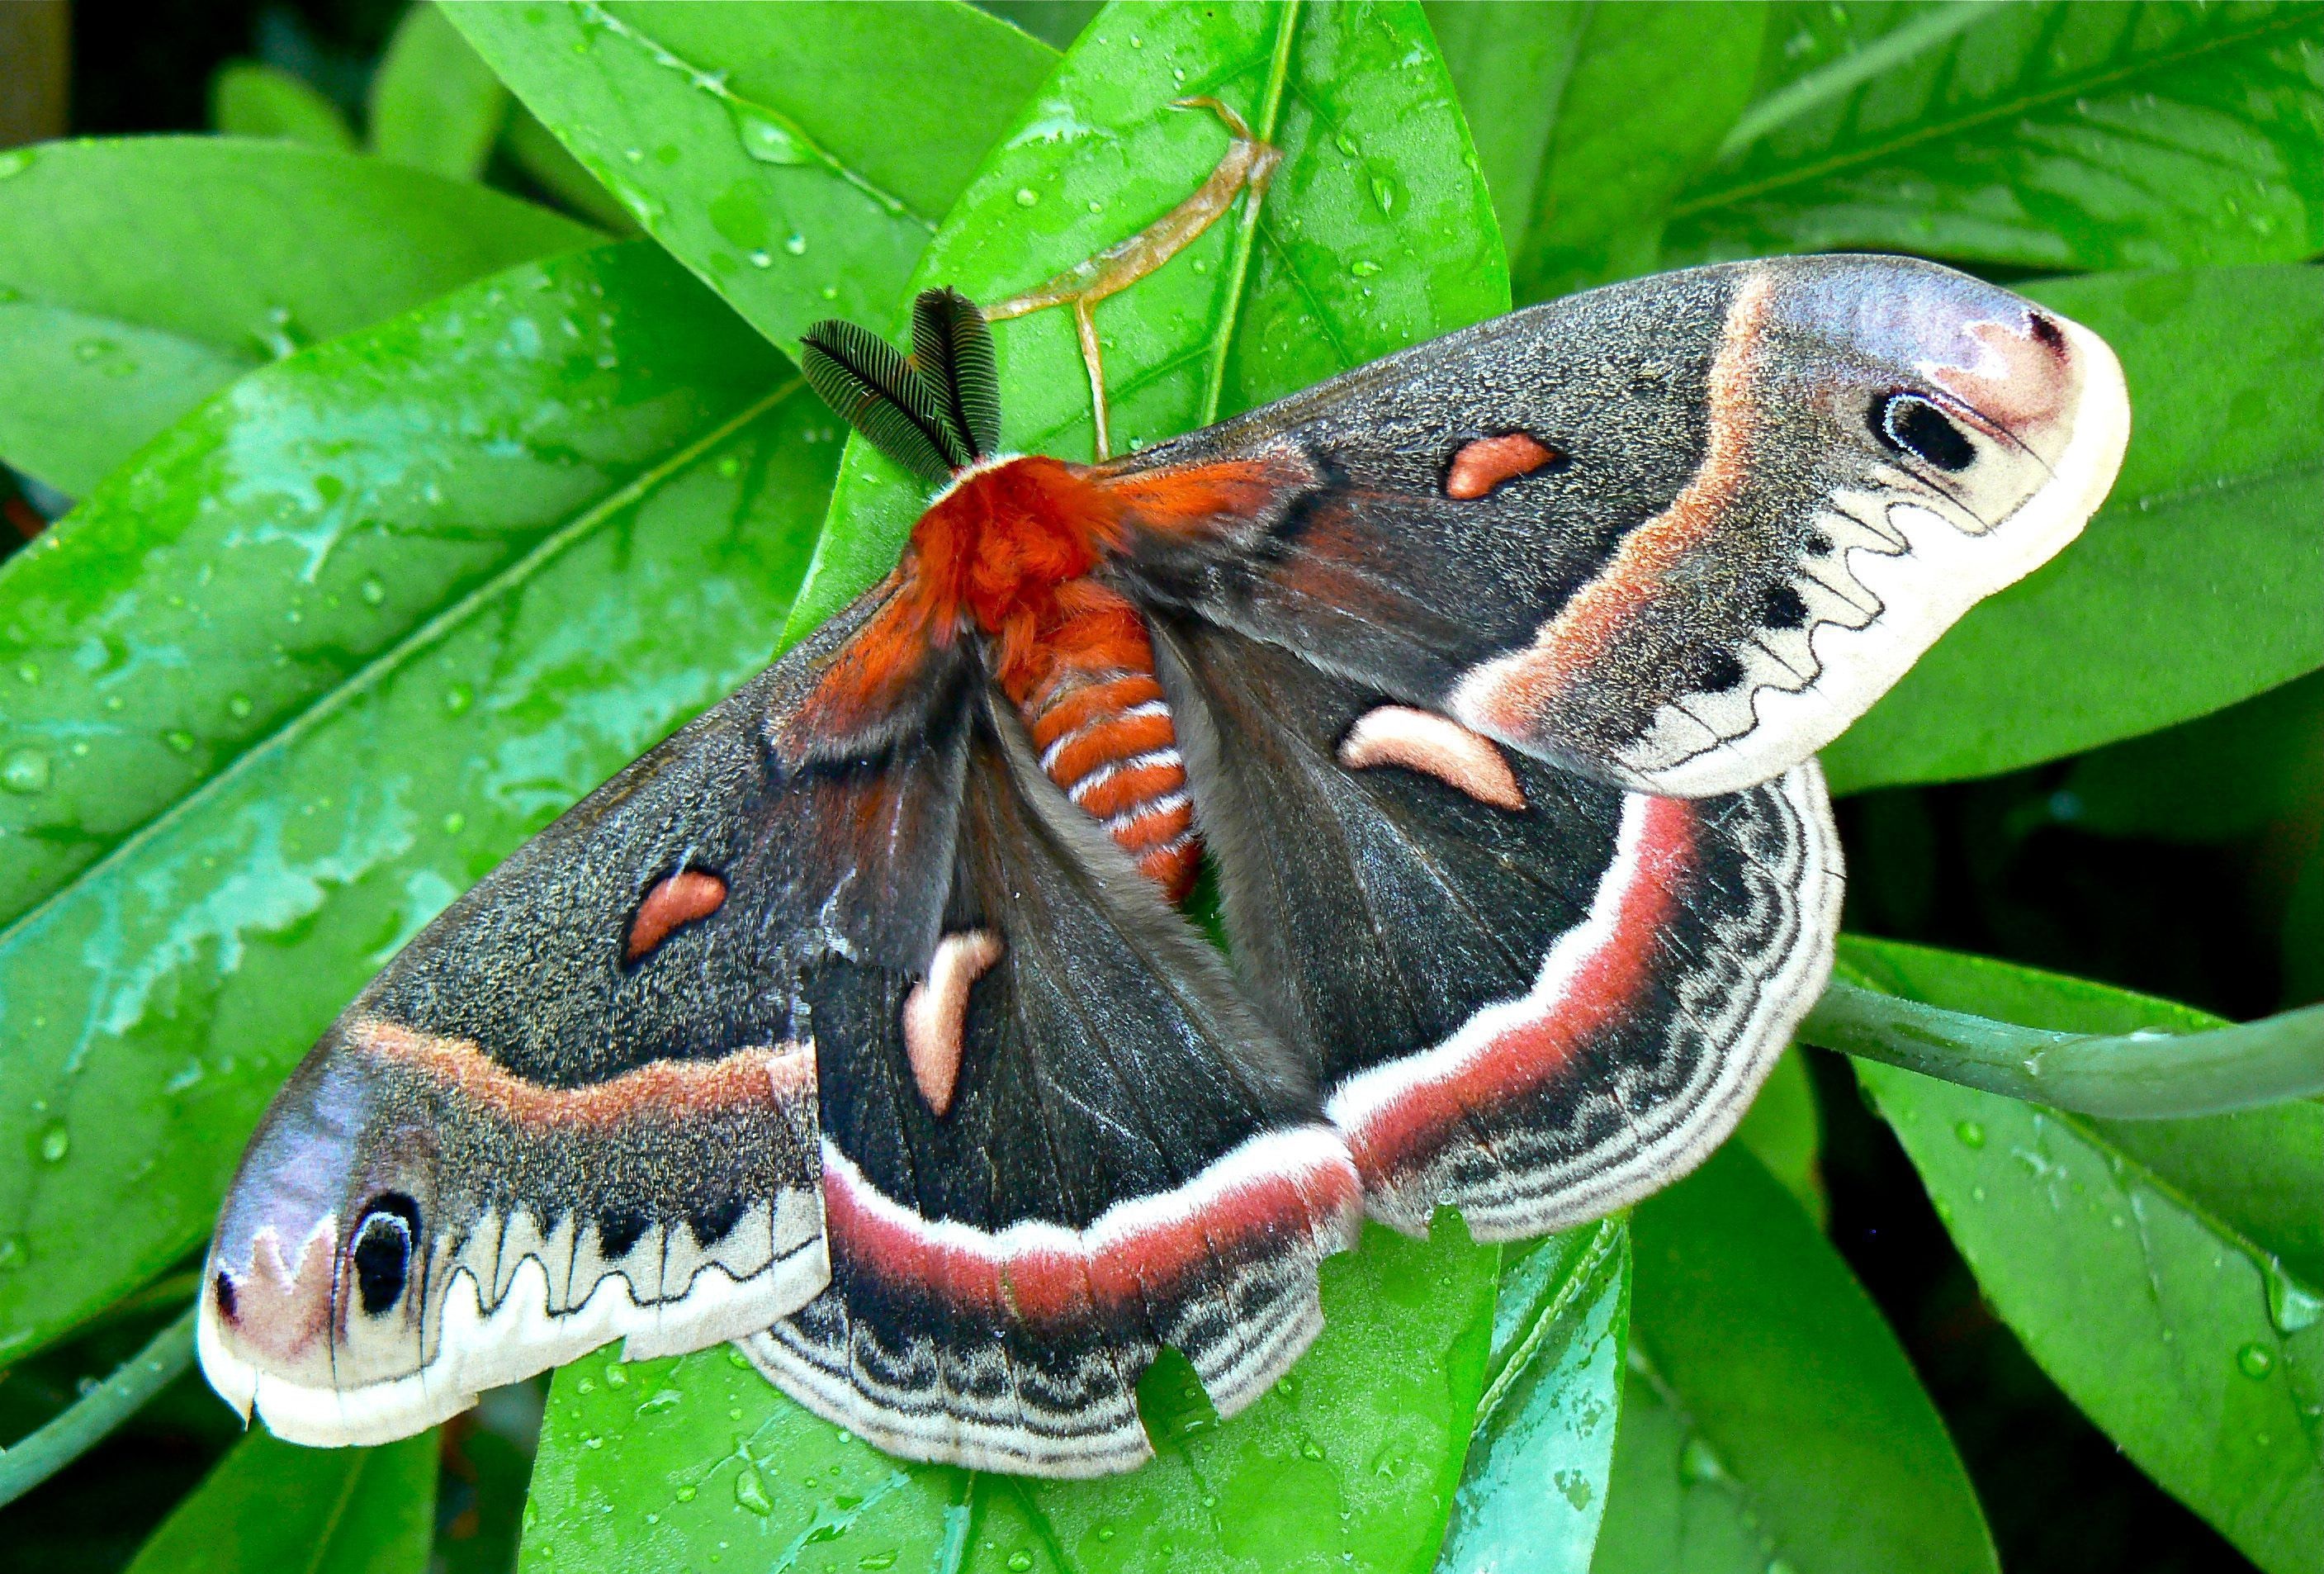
(376, 671)
(1874, 153)
(2239, 481)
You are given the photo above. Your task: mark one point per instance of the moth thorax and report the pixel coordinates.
(1105, 736)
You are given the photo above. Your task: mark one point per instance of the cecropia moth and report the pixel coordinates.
(859, 1021)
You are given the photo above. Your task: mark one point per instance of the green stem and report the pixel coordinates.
(92, 1418)
(1263, 123)
(2141, 1076)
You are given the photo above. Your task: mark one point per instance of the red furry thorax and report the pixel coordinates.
(1009, 551)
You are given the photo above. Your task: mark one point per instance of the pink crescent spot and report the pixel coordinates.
(1420, 740)
(935, 1013)
(1485, 464)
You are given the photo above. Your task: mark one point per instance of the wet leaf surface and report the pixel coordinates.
(1341, 1465)
(272, 247)
(1772, 1420)
(1534, 1489)
(796, 157)
(2169, 1274)
(2051, 135)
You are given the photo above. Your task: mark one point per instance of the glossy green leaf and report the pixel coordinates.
(1785, 1132)
(2221, 777)
(1509, 65)
(534, 149)
(269, 247)
(434, 103)
(1376, 233)
(1771, 1418)
(1534, 1489)
(272, 1507)
(370, 620)
(796, 156)
(2053, 135)
(1649, 93)
(251, 99)
(1343, 1465)
(2169, 1274)
(1056, 23)
(2197, 585)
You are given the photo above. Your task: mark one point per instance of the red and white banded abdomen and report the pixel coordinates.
(1107, 739)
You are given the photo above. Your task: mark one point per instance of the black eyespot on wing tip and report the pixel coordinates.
(2046, 331)
(222, 1291)
(381, 1254)
(1908, 423)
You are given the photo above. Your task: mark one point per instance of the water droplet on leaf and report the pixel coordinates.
(2255, 1360)
(751, 1491)
(1971, 1134)
(56, 1142)
(25, 771)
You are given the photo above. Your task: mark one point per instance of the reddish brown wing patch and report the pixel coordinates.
(1485, 464)
(684, 897)
(1194, 500)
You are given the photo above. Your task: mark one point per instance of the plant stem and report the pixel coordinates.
(1270, 111)
(92, 1418)
(2141, 1076)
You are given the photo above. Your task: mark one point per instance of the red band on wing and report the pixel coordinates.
(1275, 1189)
(1594, 973)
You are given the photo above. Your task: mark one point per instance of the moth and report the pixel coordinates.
(860, 1022)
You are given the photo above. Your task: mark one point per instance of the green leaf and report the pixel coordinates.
(2218, 778)
(1510, 75)
(1056, 23)
(434, 103)
(1343, 1464)
(2051, 135)
(1771, 1418)
(1650, 91)
(1534, 1489)
(795, 156)
(533, 148)
(1785, 1132)
(1376, 233)
(2169, 1274)
(272, 1507)
(354, 631)
(2195, 587)
(267, 247)
(251, 99)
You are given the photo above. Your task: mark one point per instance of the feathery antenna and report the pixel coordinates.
(934, 412)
